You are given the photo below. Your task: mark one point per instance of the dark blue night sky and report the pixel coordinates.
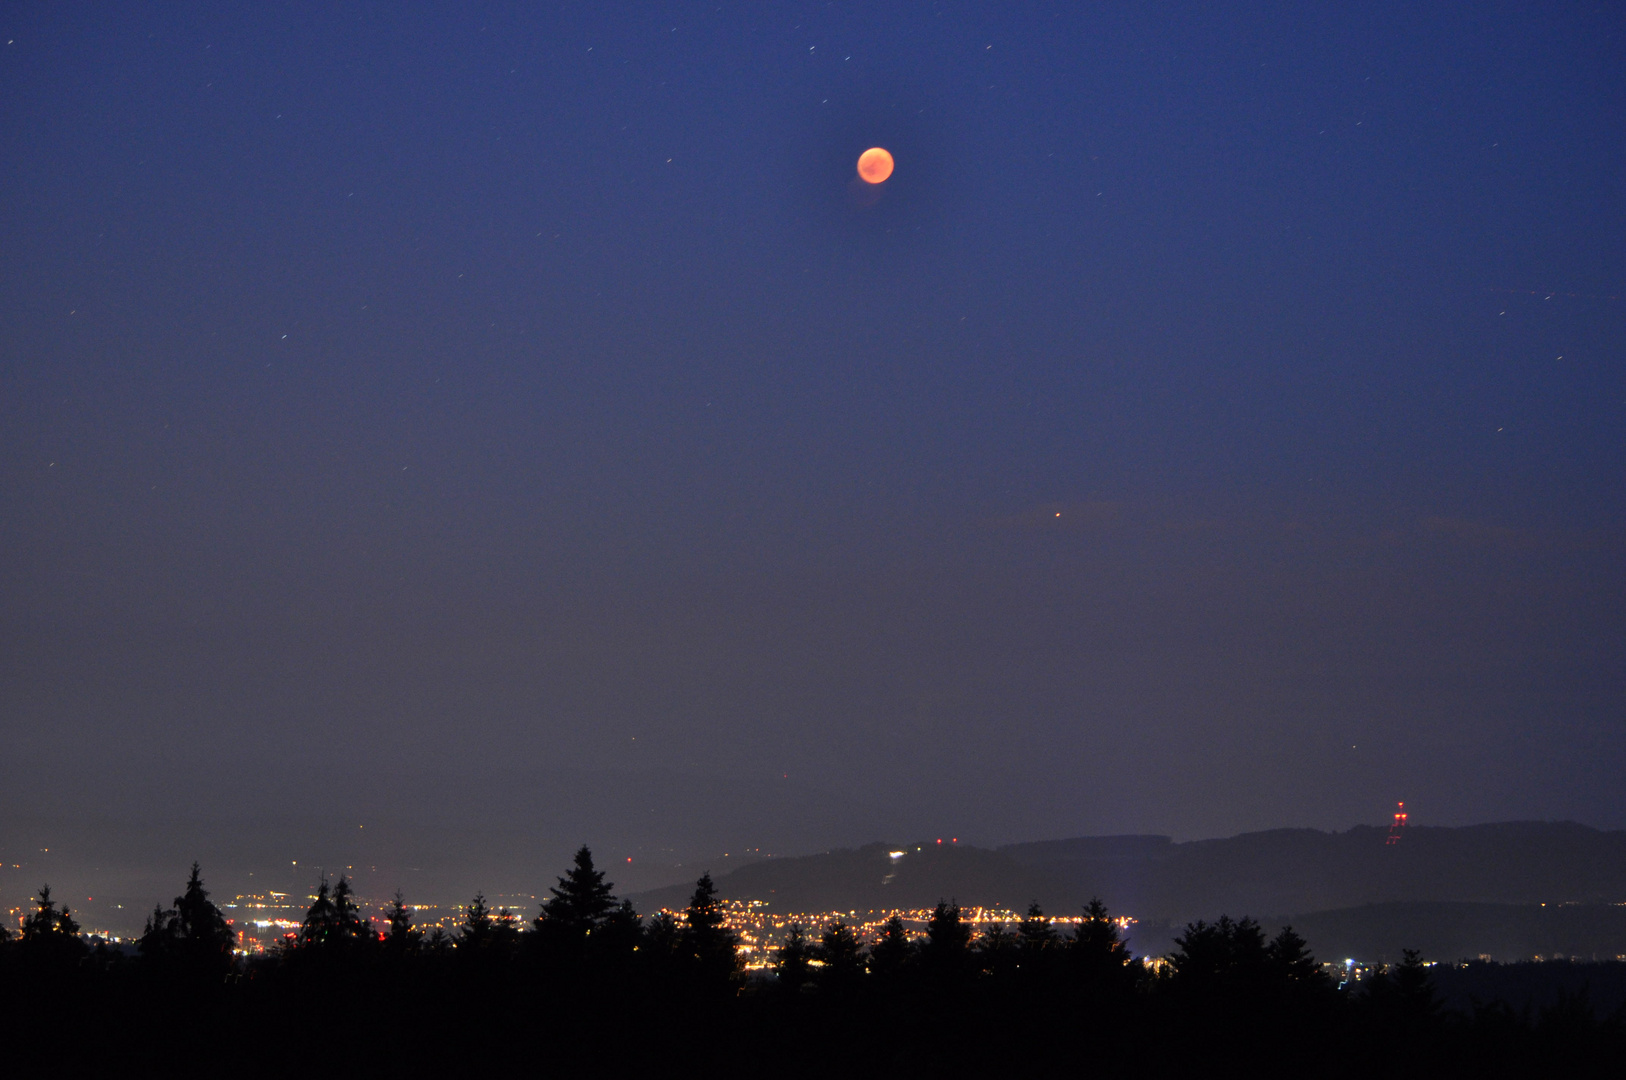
(439, 414)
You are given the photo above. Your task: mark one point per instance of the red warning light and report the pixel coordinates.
(1397, 826)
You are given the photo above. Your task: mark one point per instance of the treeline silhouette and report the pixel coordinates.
(591, 984)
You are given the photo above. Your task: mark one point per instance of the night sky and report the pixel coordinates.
(503, 427)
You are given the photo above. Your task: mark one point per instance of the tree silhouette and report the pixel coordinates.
(842, 955)
(478, 929)
(1415, 989)
(619, 935)
(401, 937)
(947, 931)
(1036, 935)
(49, 938)
(1223, 962)
(192, 936)
(708, 944)
(333, 924)
(504, 932)
(793, 959)
(578, 909)
(1291, 965)
(946, 953)
(1400, 1000)
(661, 946)
(889, 957)
(999, 952)
(582, 899)
(349, 927)
(1098, 957)
(320, 927)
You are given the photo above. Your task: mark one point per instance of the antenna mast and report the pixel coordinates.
(1398, 826)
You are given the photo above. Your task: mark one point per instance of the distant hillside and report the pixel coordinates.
(870, 878)
(1299, 870)
(1457, 931)
(1264, 874)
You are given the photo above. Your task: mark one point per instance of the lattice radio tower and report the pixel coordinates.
(1397, 826)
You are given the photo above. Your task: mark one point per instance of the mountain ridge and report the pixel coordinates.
(1268, 873)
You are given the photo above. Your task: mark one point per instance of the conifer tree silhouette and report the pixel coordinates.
(619, 935)
(709, 946)
(478, 929)
(661, 946)
(842, 955)
(1036, 934)
(192, 936)
(581, 900)
(793, 958)
(1098, 957)
(1400, 1001)
(401, 937)
(1292, 967)
(891, 953)
(49, 938)
(348, 924)
(1036, 946)
(1415, 988)
(998, 951)
(1226, 959)
(505, 930)
(320, 927)
(573, 921)
(945, 956)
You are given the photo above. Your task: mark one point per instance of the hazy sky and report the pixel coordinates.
(512, 421)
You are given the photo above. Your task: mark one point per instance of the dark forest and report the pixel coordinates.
(590, 984)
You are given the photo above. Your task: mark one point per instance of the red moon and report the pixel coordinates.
(874, 165)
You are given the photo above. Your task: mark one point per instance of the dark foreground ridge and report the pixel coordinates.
(591, 985)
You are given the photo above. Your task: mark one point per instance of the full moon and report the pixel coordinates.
(874, 165)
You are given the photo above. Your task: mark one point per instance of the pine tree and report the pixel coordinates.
(476, 933)
(1415, 989)
(192, 936)
(892, 951)
(946, 953)
(348, 925)
(1291, 964)
(47, 923)
(1036, 944)
(661, 945)
(710, 947)
(401, 937)
(947, 931)
(50, 937)
(155, 935)
(1098, 955)
(618, 936)
(582, 899)
(320, 928)
(793, 958)
(1227, 959)
(842, 955)
(504, 932)
(1036, 932)
(998, 951)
